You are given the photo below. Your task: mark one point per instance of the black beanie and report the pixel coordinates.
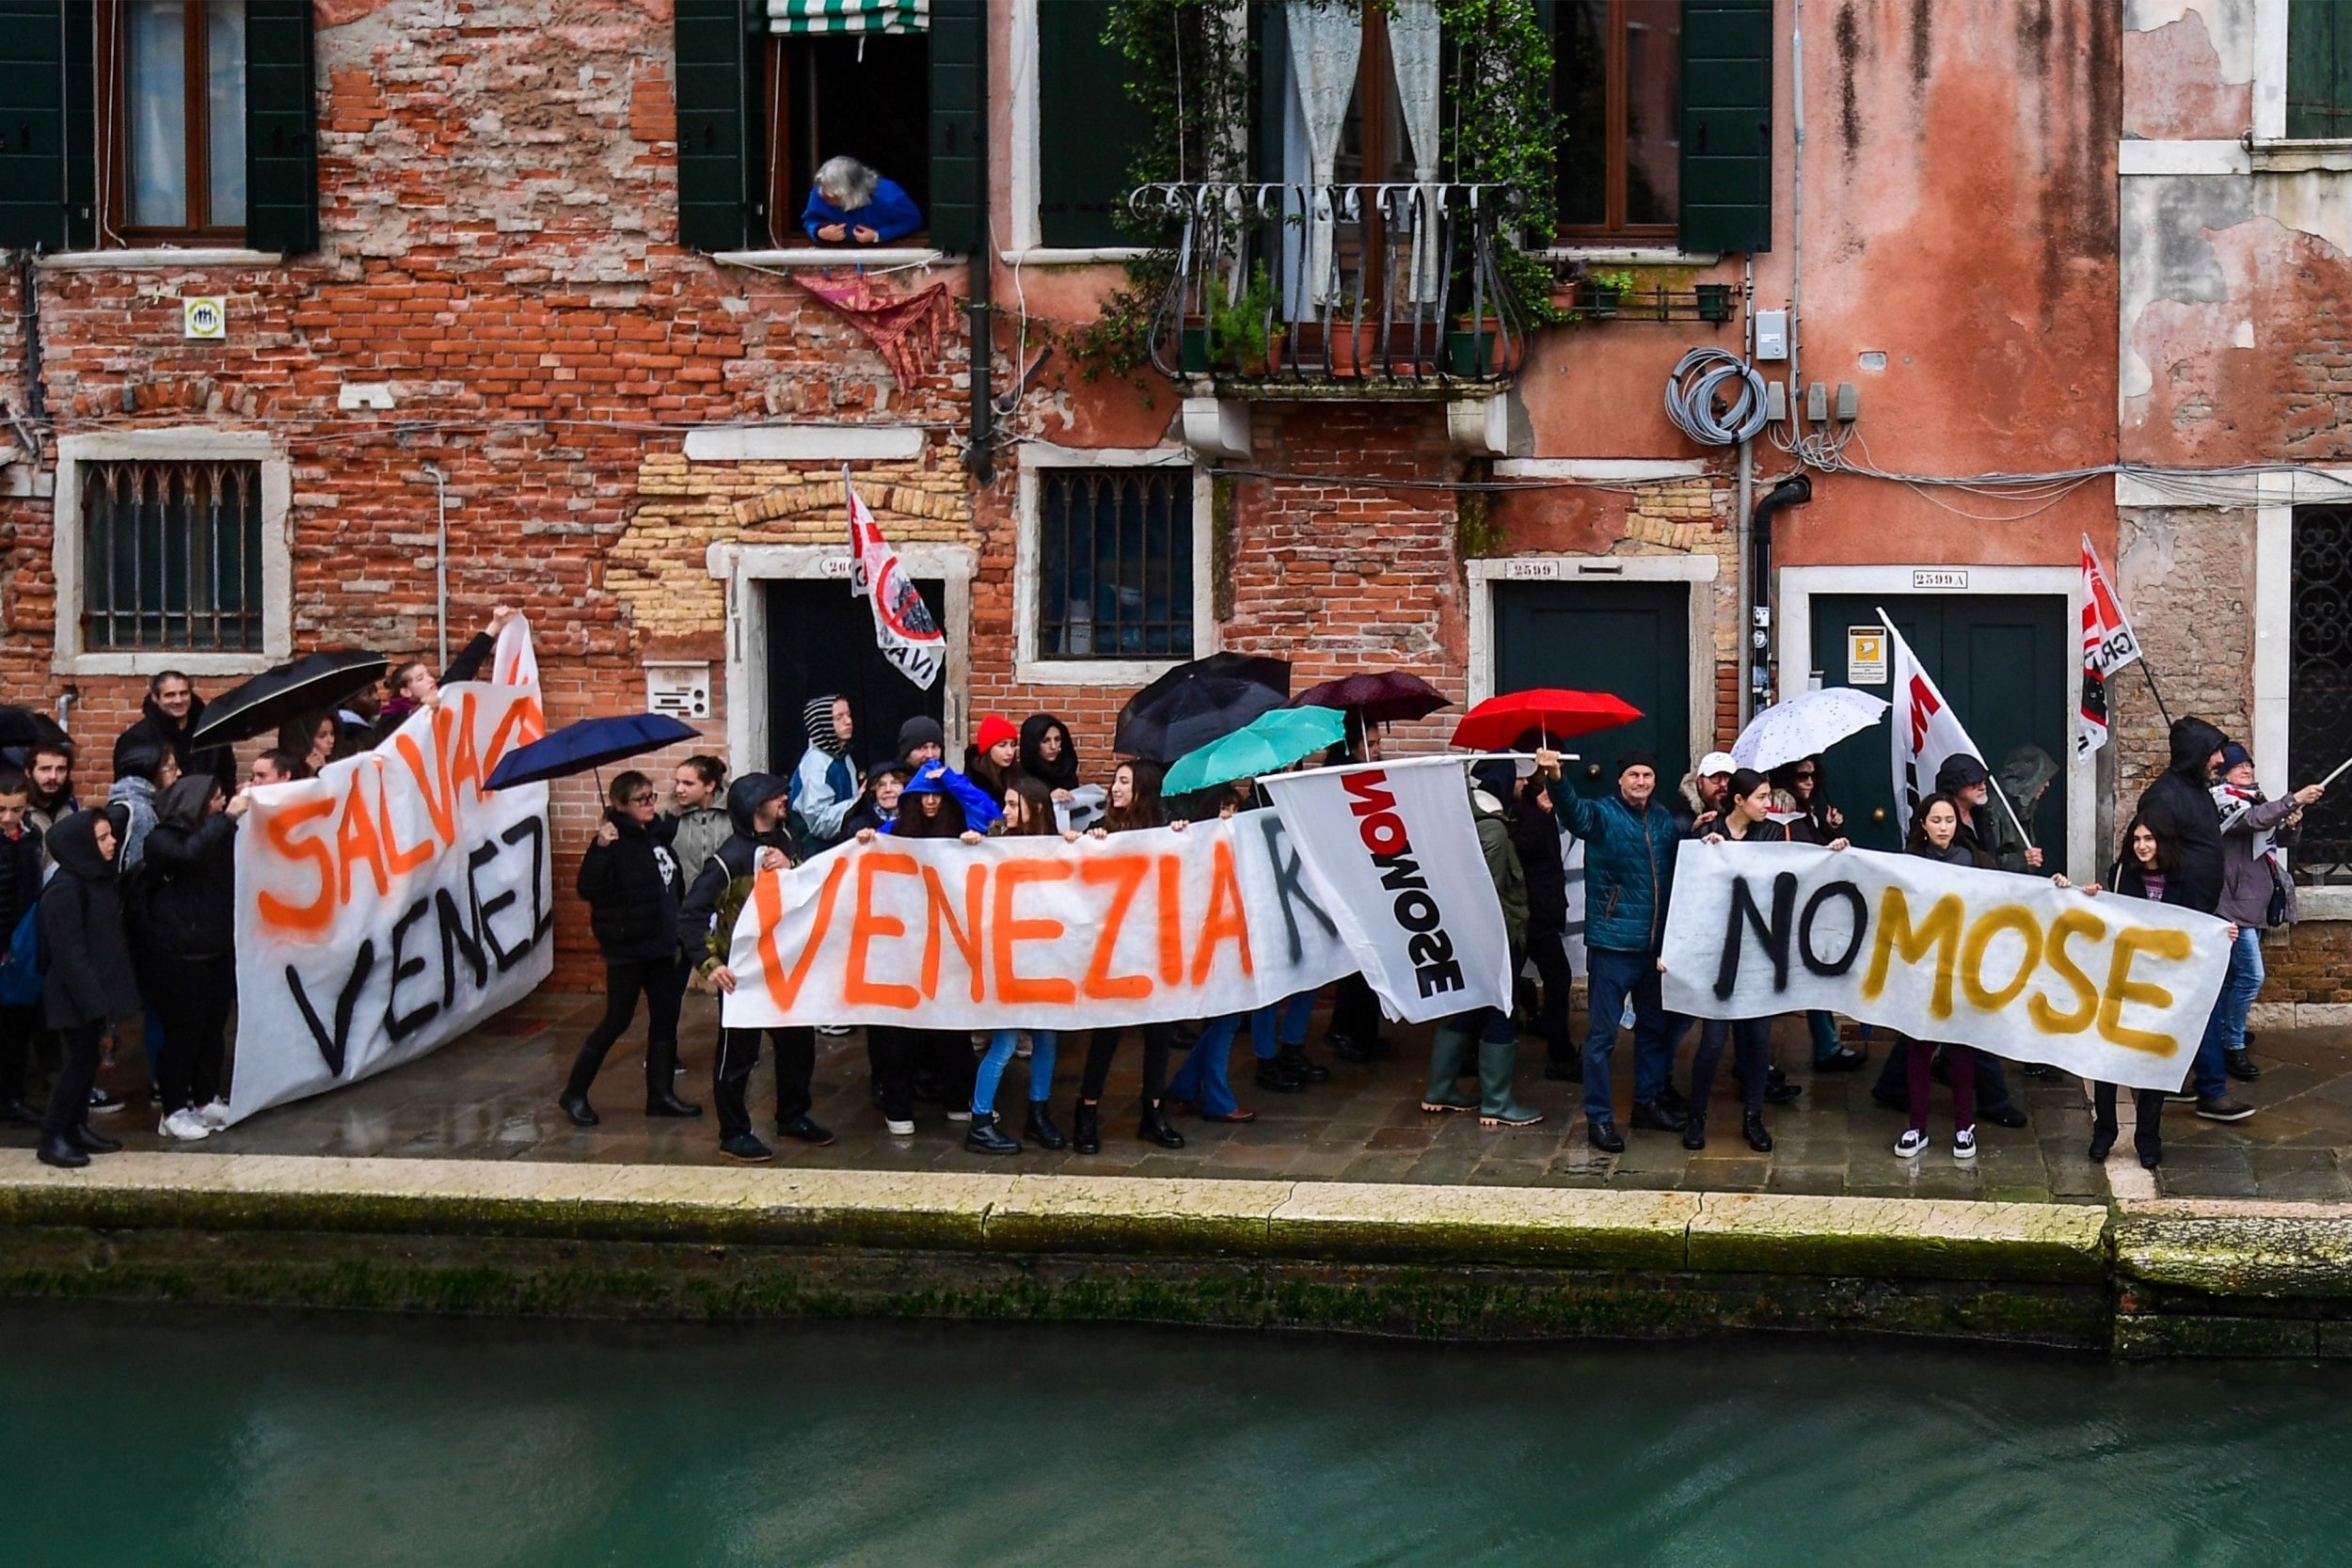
(1636, 758)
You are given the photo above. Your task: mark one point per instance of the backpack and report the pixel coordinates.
(24, 963)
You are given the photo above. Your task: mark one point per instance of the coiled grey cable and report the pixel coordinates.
(1691, 391)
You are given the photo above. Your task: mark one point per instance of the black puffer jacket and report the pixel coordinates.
(1535, 835)
(2179, 806)
(160, 731)
(182, 894)
(633, 890)
(706, 921)
(88, 980)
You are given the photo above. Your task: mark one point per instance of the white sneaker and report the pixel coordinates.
(184, 1124)
(832, 1029)
(898, 1129)
(1911, 1145)
(959, 1116)
(1964, 1145)
(216, 1114)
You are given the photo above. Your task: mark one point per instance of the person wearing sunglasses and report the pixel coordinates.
(1800, 793)
(631, 879)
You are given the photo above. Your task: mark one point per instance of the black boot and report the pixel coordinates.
(1656, 1116)
(1347, 1048)
(1302, 1067)
(576, 1106)
(1751, 1124)
(1155, 1128)
(985, 1139)
(59, 1150)
(2240, 1066)
(665, 1103)
(18, 1112)
(1275, 1074)
(1694, 1129)
(93, 1142)
(1039, 1129)
(1086, 1129)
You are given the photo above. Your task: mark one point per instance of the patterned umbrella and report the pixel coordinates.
(1807, 723)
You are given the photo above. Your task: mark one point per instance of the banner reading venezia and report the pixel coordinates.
(391, 903)
(1036, 933)
(2113, 988)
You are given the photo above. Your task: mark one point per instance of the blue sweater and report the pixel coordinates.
(1629, 868)
(891, 214)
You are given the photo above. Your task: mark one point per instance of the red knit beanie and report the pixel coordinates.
(997, 727)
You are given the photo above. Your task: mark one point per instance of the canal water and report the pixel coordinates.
(174, 1436)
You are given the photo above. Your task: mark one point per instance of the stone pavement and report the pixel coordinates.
(491, 1096)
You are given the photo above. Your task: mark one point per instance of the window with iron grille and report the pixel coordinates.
(2319, 712)
(1115, 563)
(171, 555)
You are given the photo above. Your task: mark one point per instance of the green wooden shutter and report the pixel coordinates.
(1270, 38)
(47, 166)
(716, 114)
(282, 172)
(1727, 125)
(1088, 129)
(2319, 69)
(957, 35)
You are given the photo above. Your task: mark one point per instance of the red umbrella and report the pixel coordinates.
(1497, 724)
(1383, 697)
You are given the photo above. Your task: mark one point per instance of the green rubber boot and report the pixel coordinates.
(1496, 1061)
(1447, 1048)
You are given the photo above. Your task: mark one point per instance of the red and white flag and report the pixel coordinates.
(2108, 645)
(903, 627)
(1925, 728)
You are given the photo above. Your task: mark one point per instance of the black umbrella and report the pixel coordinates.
(314, 682)
(1200, 702)
(24, 726)
(590, 743)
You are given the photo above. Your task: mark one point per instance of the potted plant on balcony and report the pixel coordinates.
(1607, 291)
(1239, 338)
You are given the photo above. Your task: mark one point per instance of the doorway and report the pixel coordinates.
(821, 640)
(2002, 661)
(1631, 640)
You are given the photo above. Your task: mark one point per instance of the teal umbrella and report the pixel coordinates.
(1267, 744)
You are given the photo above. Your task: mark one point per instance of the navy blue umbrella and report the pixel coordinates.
(590, 743)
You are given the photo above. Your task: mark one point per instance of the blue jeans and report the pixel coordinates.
(1614, 978)
(1204, 1079)
(1000, 1045)
(1281, 1027)
(2226, 1029)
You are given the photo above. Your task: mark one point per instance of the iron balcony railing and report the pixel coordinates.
(1388, 286)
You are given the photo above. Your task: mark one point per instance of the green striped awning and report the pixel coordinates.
(849, 16)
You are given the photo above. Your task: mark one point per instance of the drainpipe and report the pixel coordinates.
(1796, 220)
(980, 453)
(440, 561)
(1794, 491)
(1744, 702)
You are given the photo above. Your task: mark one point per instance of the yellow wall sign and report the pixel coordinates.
(1866, 656)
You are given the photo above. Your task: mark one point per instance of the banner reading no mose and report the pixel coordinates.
(2113, 988)
(391, 903)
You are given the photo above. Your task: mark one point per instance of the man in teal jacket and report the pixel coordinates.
(1630, 843)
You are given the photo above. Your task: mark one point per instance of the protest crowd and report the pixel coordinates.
(117, 896)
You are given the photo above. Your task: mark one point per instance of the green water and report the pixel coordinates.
(163, 1437)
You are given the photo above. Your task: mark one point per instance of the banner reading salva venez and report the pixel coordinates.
(2113, 988)
(1037, 933)
(391, 903)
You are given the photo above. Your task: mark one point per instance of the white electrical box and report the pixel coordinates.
(680, 690)
(1771, 335)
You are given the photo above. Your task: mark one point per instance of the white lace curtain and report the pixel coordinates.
(1327, 43)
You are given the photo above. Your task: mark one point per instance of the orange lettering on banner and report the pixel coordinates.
(1011, 877)
(522, 724)
(1171, 920)
(442, 806)
(357, 839)
(465, 763)
(2073, 923)
(403, 861)
(1227, 921)
(768, 899)
(865, 925)
(966, 936)
(314, 917)
(2129, 943)
(1126, 874)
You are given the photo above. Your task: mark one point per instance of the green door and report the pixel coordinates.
(2002, 661)
(1629, 639)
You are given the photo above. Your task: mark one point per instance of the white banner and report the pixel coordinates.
(1036, 933)
(1394, 852)
(1926, 731)
(2112, 988)
(390, 904)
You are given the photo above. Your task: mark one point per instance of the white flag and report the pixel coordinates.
(903, 627)
(1392, 850)
(1925, 730)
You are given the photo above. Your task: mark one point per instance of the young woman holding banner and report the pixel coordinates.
(1747, 819)
(938, 802)
(1935, 835)
(1028, 814)
(2143, 870)
(1134, 807)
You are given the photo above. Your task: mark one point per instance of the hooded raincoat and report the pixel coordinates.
(2179, 806)
(89, 980)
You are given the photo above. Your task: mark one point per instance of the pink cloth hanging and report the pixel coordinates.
(904, 329)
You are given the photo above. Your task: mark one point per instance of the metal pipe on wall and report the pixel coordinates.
(980, 453)
(440, 562)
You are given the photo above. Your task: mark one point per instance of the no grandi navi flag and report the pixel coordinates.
(2108, 645)
(903, 627)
